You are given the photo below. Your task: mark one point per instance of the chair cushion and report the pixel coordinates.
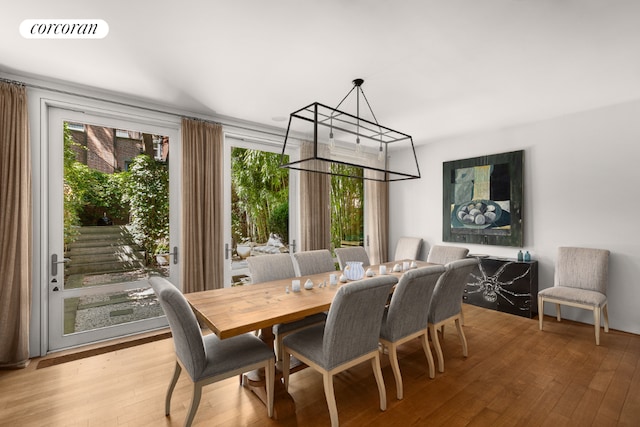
(232, 353)
(308, 343)
(581, 296)
(283, 328)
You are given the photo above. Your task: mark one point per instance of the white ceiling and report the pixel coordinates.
(432, 68)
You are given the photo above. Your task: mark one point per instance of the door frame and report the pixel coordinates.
(129, 117)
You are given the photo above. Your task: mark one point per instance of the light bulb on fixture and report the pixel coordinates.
(380, 153)
(332, 141)
(358, 148)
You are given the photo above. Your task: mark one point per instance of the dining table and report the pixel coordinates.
(237, 310)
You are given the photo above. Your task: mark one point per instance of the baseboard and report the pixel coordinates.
(101, 348)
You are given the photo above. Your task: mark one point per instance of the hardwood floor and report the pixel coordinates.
(514, 375)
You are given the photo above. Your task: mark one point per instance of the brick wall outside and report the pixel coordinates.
(126, 150)
(104, 151)
(100, 148)
(79, 138)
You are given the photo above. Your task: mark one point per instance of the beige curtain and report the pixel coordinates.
(315, 215)
(15, 227)
(377, 220)
(202, 206)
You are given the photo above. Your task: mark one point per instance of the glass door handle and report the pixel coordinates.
(174, 254)
(55, 262)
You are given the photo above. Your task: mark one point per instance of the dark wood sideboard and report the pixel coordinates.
(504, 284)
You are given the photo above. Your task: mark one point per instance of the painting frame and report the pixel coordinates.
(472, 185)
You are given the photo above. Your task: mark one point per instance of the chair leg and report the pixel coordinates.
(197, 393)
(427, 352)
(463, 339)
(558, 313)
(436, 345)
(270, 373)
(327, 379)
(286, 362)
(377, 372)
(395, 367)
(540, 311)
(172, 385)
(596, 323)
(605, 312)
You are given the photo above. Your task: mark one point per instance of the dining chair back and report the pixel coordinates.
(408, 248)
(354, 253)
(444, 254)
(208, 359)
(313, 262)
(406, 317)
(580, 281)
(349, 337)
(446, 303)
(265, 268)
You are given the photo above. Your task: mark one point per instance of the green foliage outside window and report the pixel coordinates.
(146, 189)
(140, 195)
(260, 196)
(347, 196)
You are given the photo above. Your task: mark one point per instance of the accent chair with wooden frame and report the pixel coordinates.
(313, 262)
(207, 358)
(354, 253)
(265, 268)
(407, 248)
(444, 254)
(446, 303)
(349, 337)
(580, 281)
(406, 317)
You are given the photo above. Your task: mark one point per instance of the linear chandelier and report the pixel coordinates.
(339, 143)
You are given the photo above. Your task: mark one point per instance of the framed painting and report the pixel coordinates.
(482, 200)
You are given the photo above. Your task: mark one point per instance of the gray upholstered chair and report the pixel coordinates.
(207, 358)
(406, 316)
(580, 281)
(313, 262)
(444, 254)
(348, 338)
(407, 248)
(266, 268)
(354, 253)
(446, 303)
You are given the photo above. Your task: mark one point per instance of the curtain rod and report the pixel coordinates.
(124, 104)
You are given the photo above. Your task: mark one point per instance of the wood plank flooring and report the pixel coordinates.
(515, 375)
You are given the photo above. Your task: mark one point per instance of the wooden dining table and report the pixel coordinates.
(229, 312)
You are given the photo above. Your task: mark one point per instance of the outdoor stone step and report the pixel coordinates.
(103, 229)
(94, 244)
(104, 236)
(101, 249)
(105, 257)
(103, 267)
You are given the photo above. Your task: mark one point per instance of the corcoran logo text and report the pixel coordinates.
(64, 29)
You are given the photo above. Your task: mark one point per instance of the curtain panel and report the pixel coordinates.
(15, 227)
(202, 206)
(377, 220)
(315, 213)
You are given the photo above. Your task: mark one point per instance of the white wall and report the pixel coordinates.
(581, 177)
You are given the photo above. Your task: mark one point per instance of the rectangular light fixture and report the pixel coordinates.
(340, 138)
